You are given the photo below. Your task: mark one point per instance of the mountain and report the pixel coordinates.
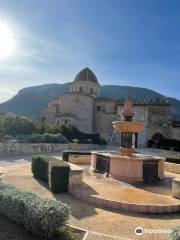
(122, 92)
(31, 100)
(175, 108)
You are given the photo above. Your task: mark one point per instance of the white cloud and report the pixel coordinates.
(6, 94)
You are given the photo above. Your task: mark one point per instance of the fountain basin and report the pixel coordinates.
(135, 168)
(127, 126)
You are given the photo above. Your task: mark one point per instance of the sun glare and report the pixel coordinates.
(7, 41)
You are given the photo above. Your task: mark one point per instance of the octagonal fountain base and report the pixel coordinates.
(118, 195)
(137, 168)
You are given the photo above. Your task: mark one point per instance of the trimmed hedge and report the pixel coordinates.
(47, 138)
(42, 217)
(39, 166)
(173, 160)
(52, 171)
(58, 176)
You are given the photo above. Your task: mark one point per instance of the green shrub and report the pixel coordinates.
(52, 171)
(59, 138)
(54, 138)
(42, 217)
(7, 138)
(39, 166)
(175, 235)
(58, 176)
(48, 138)
(22, 138)
(37, 138)
(173, 160)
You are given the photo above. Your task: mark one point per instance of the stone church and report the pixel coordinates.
(83, 107)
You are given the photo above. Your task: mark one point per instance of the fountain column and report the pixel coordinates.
(127, 137)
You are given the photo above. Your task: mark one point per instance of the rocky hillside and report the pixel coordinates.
(29, 101)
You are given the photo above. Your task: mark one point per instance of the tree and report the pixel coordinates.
(18, 125)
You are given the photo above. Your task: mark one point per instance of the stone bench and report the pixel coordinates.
(176, 188)
(75, 175)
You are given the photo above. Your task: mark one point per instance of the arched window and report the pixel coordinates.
(157, 136)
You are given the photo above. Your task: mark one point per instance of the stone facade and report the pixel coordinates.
(156, 118)
(83, 108)
(176, 130)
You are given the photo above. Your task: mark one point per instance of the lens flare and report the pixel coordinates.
(7, 41)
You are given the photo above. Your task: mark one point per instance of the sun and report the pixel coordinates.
(7, 41)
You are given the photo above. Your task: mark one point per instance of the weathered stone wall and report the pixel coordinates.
(9, 149)
(159, 121)
(74, 108)
(87, 87)
(156, 119)
(80, 107)
(47, 115)
(176, 133)
(105, 114)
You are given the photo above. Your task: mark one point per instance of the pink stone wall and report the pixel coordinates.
(126, 169)
(161, 169)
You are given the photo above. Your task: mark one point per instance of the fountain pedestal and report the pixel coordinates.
(126, 151)
(137, 168)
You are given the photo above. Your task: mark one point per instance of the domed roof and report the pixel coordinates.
(86, 74)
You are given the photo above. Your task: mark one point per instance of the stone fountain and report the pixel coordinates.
(127, 128)
(126, 165)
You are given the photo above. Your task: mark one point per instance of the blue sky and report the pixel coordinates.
(125, 42)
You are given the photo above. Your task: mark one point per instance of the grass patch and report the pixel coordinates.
(12, 231)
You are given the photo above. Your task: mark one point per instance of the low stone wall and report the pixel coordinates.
(9, 149)
(176, 188)
(76, 175)
(79, 159)
(164, 153)
(172, 167)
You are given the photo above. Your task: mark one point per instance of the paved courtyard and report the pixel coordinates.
(98, 221)
(9, 162)
(159, 193)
